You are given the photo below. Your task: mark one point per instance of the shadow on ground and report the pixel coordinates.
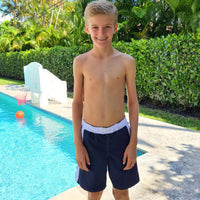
(178, 179)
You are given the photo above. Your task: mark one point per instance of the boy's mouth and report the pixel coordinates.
(101, 39)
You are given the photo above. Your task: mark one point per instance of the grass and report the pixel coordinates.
(172, 118)
(157, 114)
(4, 81)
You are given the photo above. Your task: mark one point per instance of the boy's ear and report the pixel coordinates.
(115, 28)
(87, 29)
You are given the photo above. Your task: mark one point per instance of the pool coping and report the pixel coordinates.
(169, 169)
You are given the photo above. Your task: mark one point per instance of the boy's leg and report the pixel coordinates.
(120, 178)
(94, 181)
(94, 195)
(120, 194)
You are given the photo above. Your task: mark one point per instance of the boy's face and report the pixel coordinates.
(101, 28)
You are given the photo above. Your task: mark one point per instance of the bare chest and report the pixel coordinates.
(109, 74)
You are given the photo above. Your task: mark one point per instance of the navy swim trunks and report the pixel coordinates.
(106, 148)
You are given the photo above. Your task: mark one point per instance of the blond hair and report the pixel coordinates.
(100, 7)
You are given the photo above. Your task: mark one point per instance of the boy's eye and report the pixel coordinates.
(94, 27)
(108, 27)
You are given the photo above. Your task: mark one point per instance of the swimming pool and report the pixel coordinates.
(37, 155)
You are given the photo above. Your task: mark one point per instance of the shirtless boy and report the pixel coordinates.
(103, 139)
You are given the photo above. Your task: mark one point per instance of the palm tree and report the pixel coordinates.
(137, 21)
(9, 38)
(195, 19)
(186, 14)
(12, 7)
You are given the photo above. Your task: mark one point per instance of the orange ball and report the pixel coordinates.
(19, 114)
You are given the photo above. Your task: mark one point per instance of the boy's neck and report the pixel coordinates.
(102, 53)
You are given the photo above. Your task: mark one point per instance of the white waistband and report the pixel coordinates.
(105, 130)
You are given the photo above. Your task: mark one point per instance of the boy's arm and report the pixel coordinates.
(77, 108)
(133, 107)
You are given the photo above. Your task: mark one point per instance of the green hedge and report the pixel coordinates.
(57, 60)
(168, 69)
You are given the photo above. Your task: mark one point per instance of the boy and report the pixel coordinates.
(103, 139)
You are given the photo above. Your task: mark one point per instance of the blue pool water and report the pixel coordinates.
(37, 155)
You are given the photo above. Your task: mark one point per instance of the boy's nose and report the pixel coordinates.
(101, 31)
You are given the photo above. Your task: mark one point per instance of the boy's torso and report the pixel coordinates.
(104, 84)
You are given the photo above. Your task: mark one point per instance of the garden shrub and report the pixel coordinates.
(168, 69)
(58, 60)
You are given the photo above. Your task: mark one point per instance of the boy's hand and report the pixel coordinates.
(82, 157)
(129, 158)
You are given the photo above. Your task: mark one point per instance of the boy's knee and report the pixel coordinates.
(94, 195)
(120, 194)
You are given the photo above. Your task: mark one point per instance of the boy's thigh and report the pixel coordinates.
(95, 179)
(121, 179)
